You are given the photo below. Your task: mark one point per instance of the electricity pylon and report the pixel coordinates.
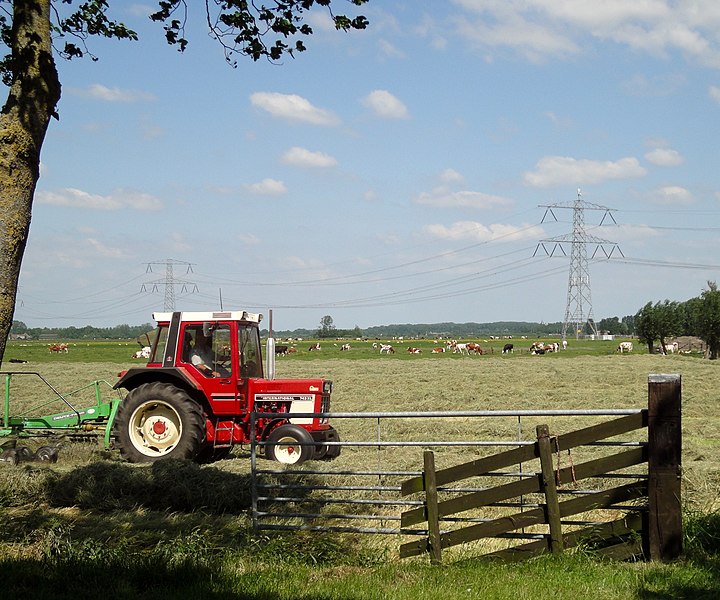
(170, 281)
(578, 309)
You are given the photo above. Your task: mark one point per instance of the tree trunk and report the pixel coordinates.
(33, 96)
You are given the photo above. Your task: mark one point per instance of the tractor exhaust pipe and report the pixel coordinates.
(270, 348)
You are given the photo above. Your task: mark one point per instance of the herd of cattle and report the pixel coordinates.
(452, 346)
(468, 348)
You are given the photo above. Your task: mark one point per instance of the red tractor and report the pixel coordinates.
(203, 380)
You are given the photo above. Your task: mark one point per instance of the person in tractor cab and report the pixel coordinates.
(202, 356)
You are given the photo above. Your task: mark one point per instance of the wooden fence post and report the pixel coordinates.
(549, 488)
(431, 505)
(664, 536)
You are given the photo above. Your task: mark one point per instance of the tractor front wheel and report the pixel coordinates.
(157, 421)
(289, 445)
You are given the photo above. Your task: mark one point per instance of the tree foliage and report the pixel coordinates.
(327, 328)
(706, 317)
(242, 28)
(659, 321)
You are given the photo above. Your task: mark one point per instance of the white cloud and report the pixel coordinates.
(538, 29)
(385, 105)
(141, 10)
(106, 94)
(472, 230)
(389, 50)
(451, 176)
(267, 187)
(564, 170)
(672, 195)
(105, 250)
(657, 86)
(249, 239)
(118, 200)
(715, 93)
(533, 41)
(630, 233)
(292, 108)
(443, 198)
(300, 157)
(665, 157)
(563, 122)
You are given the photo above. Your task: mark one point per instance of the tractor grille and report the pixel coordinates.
(325, 407)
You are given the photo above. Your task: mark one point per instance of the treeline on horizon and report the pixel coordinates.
(613, 326)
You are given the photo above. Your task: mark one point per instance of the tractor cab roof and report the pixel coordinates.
(233, 315)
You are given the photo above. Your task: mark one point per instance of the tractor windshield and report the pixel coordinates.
(250, 355)
(158, 348)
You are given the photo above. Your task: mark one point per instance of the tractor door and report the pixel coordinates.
(249, 363)
(207, 351)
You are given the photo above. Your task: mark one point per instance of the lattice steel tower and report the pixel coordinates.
(578, 310)
(170, 281)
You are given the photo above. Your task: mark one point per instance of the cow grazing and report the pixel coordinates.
(144, 352)
(537, 348)
(281, 350)
(387, 349)
(459, 348)
(58, 348)
(625, 347)
(671, 348)
(344, 347)
(508, 349)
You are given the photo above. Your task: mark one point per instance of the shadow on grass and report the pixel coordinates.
(170, 529)
(167, 485)
(145, 579)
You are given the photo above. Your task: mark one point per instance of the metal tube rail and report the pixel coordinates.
(417, 444)
(378, 530)
(590, 412)
(348, 516)
(354, 473)
(342, 501)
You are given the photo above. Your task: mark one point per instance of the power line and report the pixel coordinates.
(578, 308)
(170, 280)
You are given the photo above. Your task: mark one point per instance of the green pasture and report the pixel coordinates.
(121, 351)
(94, 525)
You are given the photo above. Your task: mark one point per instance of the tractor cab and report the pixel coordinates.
(225, 342)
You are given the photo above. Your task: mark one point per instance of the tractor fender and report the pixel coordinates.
(137, 376)
(275, 423)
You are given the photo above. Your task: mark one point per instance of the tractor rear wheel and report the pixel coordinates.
(290, 445)
(157, 421)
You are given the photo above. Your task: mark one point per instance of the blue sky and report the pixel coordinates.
(394, 175)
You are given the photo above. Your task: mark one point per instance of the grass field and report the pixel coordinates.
(92, 523)
(121, 351)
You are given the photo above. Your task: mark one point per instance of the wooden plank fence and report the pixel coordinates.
(652, 530)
